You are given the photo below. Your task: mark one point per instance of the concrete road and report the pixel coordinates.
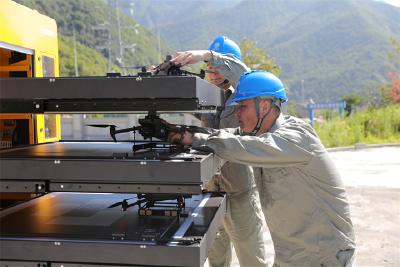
(372, 179)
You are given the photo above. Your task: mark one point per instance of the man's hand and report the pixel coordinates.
(191, 57)
(169, 126)
(181, 138)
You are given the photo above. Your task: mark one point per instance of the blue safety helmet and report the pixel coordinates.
(225, 46)
(258, 83)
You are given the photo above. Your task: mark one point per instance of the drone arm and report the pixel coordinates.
(113, 132)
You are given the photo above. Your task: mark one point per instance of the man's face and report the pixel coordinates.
(246, 115)
(214, 76)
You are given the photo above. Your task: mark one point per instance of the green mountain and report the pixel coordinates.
(329, 48)
(101, 47)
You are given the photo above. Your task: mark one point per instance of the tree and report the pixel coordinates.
(395, 86)
(258, 58)
(394, 57)
(351, 101)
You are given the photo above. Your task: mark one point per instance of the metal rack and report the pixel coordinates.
(74, 222)
(107, 94)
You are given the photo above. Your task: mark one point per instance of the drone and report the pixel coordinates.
(152, 126)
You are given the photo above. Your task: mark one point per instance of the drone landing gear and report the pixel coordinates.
(156, 205)
(163, 208)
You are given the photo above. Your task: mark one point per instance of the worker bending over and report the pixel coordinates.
(302, 195)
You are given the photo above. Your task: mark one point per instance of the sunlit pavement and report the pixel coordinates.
(372, 179)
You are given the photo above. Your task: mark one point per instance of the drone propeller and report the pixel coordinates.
(112, 129)
(101, 125)
(119, 203)
(125, 205)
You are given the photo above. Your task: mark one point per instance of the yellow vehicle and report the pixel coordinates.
(28, 48)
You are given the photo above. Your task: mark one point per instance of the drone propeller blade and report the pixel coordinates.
(118, 203)
(115, 205)
(101, 125)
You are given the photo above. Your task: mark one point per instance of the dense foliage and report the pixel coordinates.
(90, 61)
(97, 36)
(258, 58)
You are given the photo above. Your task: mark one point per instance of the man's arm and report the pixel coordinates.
(268, 150)
(229, 66)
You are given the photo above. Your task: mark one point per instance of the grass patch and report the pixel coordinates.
(372, 126)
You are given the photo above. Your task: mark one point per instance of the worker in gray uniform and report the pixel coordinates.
(243, 221)
(302, 195)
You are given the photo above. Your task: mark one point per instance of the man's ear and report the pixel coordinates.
(265, 105)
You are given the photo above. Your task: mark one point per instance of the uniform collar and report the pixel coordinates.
(277, 124)
(229, 91)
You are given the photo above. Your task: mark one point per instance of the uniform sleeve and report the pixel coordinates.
(229, 66)
(200, 139)
(269, 150)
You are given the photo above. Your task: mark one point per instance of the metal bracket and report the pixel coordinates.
(10, 186)
(124, 188)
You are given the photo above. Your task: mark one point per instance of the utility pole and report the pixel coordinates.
(105, 28)
(159, 43)
(75, 52)
(120, 30)
(111, 44)
(121, 52)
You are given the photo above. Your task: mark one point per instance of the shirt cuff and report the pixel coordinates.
(212, 58)
(199, 139)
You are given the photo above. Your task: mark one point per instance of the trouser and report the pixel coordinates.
(343, 258)
(220, 254)
(244, 228)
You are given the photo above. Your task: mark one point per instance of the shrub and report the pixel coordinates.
(372, 126)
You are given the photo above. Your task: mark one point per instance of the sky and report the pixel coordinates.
(393, 2)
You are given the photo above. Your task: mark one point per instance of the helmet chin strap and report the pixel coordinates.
(225, 84)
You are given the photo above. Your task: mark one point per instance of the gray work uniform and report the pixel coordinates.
(302, 195)
(243, 220)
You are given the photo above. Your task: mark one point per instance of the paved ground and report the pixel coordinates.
(372, 179)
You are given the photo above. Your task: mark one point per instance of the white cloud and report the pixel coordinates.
(393, 2)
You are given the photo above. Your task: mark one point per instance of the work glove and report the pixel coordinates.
(156, 127)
